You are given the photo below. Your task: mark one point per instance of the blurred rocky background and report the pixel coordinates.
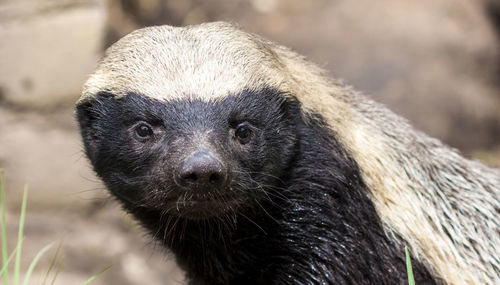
(435, 62)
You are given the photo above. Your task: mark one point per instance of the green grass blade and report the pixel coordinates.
(411, 280)
(34, 262)
(52, 263)
(3, 226)
(17, 265)
(55, 275)
(4, 267)
(38, 282)
(95, 275)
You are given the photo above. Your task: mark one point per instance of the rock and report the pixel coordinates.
(47, 49)
(44, 151)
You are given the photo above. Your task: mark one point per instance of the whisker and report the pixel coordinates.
(251, 221)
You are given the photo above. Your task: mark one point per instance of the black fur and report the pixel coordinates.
(297, 211)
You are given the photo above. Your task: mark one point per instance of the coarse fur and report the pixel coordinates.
(330, 189)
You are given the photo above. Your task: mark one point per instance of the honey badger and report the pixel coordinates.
(254, 167)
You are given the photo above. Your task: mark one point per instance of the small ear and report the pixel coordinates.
(88, 109)
(88, 112)
(86, 115)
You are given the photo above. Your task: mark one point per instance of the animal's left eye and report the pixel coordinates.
(243, 133)
(143, 131)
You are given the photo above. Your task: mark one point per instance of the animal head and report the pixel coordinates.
(191, 121)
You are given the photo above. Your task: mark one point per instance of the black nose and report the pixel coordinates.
(202, 170)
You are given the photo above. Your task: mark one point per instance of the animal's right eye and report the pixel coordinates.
(143, 131)
(244, 133)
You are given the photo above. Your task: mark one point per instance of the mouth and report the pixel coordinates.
(196, 206)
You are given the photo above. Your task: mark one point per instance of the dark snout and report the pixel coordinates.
(202, 171)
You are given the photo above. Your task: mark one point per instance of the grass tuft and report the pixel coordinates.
(33, 263)
(6, 259)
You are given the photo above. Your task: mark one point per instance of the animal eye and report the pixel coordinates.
(243, 133)
(143, 131)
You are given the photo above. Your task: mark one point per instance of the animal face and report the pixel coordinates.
(191, 158)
